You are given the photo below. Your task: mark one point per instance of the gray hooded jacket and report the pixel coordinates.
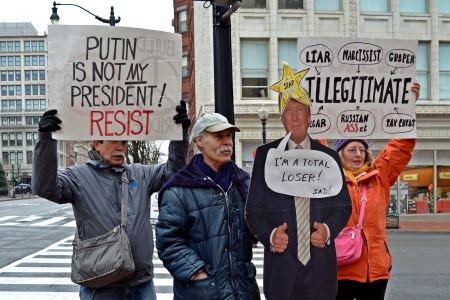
(93, 190)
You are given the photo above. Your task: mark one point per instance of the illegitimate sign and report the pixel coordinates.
(359, 88)
(114, 83)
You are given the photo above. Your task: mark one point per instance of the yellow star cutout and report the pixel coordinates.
(289, 87)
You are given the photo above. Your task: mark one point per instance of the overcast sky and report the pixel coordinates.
(149, 14)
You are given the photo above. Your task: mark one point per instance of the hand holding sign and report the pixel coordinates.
(305, 173)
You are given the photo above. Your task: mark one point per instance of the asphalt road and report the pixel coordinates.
(421, 266)
(421, 261)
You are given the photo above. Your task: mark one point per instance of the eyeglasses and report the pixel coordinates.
(352, 151)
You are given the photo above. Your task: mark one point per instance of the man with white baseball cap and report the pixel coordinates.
(201, 235)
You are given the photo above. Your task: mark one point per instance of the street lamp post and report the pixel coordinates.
(263, 114)
(55, 18)
(14, 182)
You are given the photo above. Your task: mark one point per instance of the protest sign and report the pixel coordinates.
(306, 173)
(114, 83)
(359, 88)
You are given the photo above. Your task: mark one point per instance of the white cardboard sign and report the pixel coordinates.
(359, 88)
(306, 173)
(114, 83)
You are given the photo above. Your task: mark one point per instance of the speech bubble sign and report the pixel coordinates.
(398, 123)
(400, 58)
(359, 53)
(306, 173)
(317, 56)
(356, 123)
(319, 123)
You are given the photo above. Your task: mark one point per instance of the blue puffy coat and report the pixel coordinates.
(202, 227)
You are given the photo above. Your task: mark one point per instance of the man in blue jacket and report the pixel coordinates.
(94, 190)
(201, 235)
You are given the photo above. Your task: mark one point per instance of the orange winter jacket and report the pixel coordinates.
(375, 262)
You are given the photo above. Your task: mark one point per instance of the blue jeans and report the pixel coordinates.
(145, 291)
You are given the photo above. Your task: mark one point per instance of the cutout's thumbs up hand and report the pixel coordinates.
(280, 238)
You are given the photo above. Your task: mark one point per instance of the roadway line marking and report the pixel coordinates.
(17, 262)
(7, 218)
(32, 218)
(70, 224)
(49, 260)
(49, 221)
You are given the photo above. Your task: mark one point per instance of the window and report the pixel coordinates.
(10, 61)
(2, 46)
(19, 157)
(27, 75)
(3, 61)
(5, 158)
(184, 66)
(327, 5)
(10, 46)
(10, 90)
(4, 90)
(34, 61)
(19, 107)
(443, 7)
(28, 90)
(18, 76)
(375, 6)
(182, 17)
(287, 51)
(3, 75)
(34, 75)
(4, 121)
(27, 60)
(18, 90)
(12, 139)
(26, 46)
(36, 104)
(41, 60)
(42, 89)
(290, 4)
(12, 155)
(416, 6)
(19, 141)
(17, 59)
(29, 157)
(43, 104)
(36, 120)
(10, 75)
(5, 140)
(41, 46)
(4, 104)
(17, 46)
(254, 68)
(35, 89)
(34, 46)
(254, 4)
(28, 107)
(12, 104)
(41, 74)
(444, 71)
(29, 139)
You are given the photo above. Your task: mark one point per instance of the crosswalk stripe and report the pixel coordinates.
(7, 218)
(49, 221)
(49, 260)
(29, 219)
(70, 224)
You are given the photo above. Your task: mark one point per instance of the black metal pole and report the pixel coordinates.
(14, 183)
(223, 80)
(263, 131)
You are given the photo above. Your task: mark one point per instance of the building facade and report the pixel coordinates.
(23, 97)
(265, 32)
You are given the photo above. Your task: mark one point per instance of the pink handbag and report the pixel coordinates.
(349, 242)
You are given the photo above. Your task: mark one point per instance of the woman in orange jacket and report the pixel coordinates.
(367, 278)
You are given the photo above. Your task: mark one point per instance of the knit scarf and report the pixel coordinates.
(222, 178)
(353, 174)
